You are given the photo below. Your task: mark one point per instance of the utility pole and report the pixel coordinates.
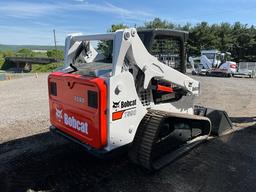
(54, 36)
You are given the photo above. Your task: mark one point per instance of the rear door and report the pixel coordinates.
(78, 107)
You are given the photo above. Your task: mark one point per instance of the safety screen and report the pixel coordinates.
(168, 51)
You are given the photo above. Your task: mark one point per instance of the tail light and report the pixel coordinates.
(93, 99)
(233, 65)
(53, 88)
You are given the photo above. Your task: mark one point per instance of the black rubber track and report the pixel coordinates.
(141, 152)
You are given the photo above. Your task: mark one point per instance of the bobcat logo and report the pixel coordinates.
(59, 114)
(116, 104)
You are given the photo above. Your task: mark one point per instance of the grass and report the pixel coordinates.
(38, 47)
(39, 68)
(1, 62)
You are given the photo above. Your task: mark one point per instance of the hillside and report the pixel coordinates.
(34, 47)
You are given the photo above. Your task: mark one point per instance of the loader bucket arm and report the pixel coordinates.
(135, 50)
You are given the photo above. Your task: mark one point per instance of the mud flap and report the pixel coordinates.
(220, 120)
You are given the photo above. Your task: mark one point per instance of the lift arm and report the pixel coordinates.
(128, 42)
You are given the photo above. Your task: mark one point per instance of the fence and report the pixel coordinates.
(247, 66)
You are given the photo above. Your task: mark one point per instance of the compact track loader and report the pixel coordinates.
(130, 89)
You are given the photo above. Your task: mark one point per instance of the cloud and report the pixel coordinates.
(25, 9)
(29, 9)
(126, 12)
(33, 22)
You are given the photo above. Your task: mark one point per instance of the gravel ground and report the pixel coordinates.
(24, 102)
(237, 96)
(24, 107)
(32, 159)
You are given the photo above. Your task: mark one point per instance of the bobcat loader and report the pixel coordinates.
(130, 90)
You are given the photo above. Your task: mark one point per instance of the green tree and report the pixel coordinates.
(25, 53)
(106, 47)
(1, 54)
(116, 27)
(57, 54)
(158, 23)
(244, 41)
(201, 37)
(242, 35)
(186, 27)
(224, 39)
(239, 39)
(8, 53)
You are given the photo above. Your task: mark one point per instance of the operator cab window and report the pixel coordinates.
(168, 51)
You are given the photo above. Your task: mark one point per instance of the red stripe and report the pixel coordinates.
(164, 88)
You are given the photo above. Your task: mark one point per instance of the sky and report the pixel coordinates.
(31, 22)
